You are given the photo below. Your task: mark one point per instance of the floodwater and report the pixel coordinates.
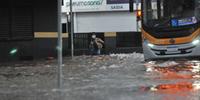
(107, 77)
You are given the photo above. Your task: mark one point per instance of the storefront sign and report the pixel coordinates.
(117, 1)
(96, 5)
(86, 3)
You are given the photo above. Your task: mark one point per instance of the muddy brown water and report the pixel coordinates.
(109, 77)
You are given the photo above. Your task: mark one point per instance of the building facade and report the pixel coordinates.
(109, 19)
(28, 28)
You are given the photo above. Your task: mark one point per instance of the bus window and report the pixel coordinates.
(161, 13)
(197, 9)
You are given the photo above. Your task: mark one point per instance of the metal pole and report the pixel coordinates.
(137, 24)
(59, 47)
(137, 5)
(72, 29)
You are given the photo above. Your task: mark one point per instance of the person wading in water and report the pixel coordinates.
(96, 44)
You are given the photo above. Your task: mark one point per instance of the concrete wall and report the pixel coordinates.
(105, 22)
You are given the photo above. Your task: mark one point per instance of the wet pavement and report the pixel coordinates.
(106, 77)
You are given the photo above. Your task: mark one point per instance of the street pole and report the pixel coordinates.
(59, 47)
(137, 5)
(72, 29)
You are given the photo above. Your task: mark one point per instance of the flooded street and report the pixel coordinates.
(107, 77)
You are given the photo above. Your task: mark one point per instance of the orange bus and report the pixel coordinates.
(170, 28)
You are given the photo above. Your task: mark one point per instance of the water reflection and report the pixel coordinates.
(178, 80)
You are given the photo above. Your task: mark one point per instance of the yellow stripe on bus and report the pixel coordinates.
(166, 41)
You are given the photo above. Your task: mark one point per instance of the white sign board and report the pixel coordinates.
(96, 5)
